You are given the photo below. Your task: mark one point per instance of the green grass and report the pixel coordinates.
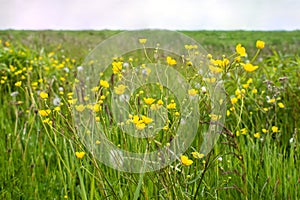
(38, 152)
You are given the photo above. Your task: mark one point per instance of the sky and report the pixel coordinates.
(150, 14)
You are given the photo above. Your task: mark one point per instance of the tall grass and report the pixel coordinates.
(251, 160)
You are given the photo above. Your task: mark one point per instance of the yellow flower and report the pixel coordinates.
(171, 61)
(254, 91)
(155, 106)
(171, 105)
(209, 56)
(185, 160)
(192, 92)
(160, 102)
(44, 113)
(281, 105)
(117, 67)
(245, 85)
(225, 62)
(43, 95)
(72, 101)
(142, 40)
(249, 67)
(210, 80)
(80, 108)
(237, 133)
(146, 120)
(46, 121)
(18, 84)
(197, 155)
(135, 119)
(57, 108)
(215, 69)
(260, 44)
(250, 80)
(80, 154)
(96, 108)
(140, 126)
(104, 84)
(234, 100)
(264, 130)
(227, 113)
(214, 117)
(240, 50)
(120, 89)
(244, 131)
(149, 101)
(257, 135)
(275, 129)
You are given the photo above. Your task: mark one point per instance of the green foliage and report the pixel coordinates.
(256, 157)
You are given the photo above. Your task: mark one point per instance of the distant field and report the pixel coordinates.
(78, 43)
(46, 90)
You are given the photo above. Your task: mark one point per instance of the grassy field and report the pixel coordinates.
(257, 154)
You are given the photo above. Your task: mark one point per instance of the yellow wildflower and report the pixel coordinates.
(155, 107)
(237, 59)
(250, 80)
(140, 126)
(171, 105)
(80, 154)
(254, 91)
(171, 61)
(264, 130)
(146, 120)
(192, 92)
(96, 108)
(249, 67)
(260, 44)
(117, 67)
(234, 100)
(43, 95)
(18, 84)
(120, 89)
(160, 102)
(210, 80)
(227, 113)
(240, 50)
(44, 113)
(257, 135)
(185, 160)
(215, 117)
(275, 129)
(209, 56)
(245, 85)
(244, 131)
(215, 69)
(271, 100)
(281, 105)
(197, 155)
(104, 84)
(142, 40)
(80, 108)
(149, 101)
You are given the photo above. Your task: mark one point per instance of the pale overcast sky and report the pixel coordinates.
(141, 14)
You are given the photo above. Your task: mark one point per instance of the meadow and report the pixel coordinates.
(256, 155)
